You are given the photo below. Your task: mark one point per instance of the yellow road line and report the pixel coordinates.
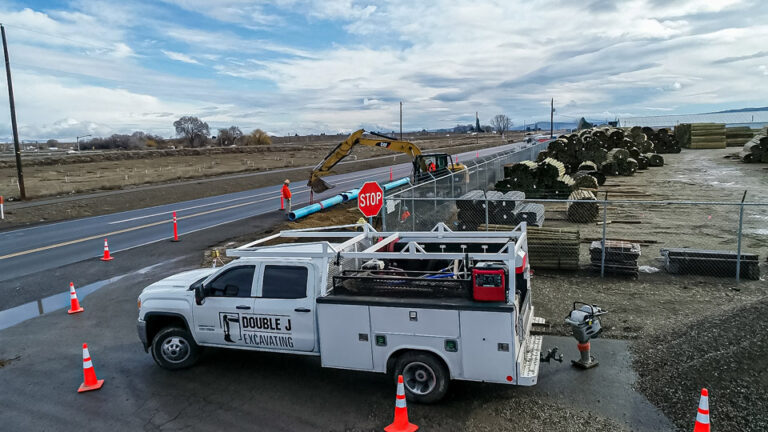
(84, 239)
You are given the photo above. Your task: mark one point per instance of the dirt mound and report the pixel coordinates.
(723, 351)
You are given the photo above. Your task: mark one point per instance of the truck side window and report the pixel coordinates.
(287, 282)
(240, 277)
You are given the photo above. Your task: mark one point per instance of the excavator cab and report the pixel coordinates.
(427, 166)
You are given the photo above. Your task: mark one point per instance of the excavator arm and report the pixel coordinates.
(344, 149)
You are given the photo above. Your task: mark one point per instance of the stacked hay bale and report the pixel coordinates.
(756, 150)
(583, 208)
(662, 141)
(546, 179)
(701, 135)
(738, 136)
(619, 162)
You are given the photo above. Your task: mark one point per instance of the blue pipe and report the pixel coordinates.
(314, 208)
(338, 199)
(396, 183)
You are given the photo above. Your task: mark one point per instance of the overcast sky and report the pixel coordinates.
(303, 66)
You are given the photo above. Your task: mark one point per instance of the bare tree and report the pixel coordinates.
(229, 136)
(194, 130)
(258, 137)
(501, 123)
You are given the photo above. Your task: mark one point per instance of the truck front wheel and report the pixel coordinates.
(424, 375)
(173, 348)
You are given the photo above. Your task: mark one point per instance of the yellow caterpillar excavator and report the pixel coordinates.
(425, 166)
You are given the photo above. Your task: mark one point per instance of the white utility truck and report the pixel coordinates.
(431, 306)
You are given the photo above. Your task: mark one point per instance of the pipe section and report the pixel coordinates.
(338, 199)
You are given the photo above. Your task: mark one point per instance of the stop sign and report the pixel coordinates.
(370, 199)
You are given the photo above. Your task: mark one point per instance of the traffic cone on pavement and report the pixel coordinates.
(702, 417)
(401, 423)
(89, 382)
(106, 256)
(74, 305)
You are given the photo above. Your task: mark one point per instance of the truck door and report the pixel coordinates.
(284, 311)
(228, 300)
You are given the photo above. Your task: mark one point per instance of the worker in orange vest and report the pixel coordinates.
(432, 167)
(286, 194)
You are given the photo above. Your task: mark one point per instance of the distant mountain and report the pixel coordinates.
(740, 110)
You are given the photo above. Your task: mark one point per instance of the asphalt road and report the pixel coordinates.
(237, 390)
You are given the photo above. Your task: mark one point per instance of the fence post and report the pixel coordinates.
(384, 215)
(738, 239)
(605, 224)
(413, 209)
(486, 210)
(453, 194)
(485, 187)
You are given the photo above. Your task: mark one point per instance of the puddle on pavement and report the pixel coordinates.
(15, 315)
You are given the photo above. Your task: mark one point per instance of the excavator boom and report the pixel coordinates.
(344, 149)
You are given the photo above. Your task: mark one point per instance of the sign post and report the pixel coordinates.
(370, 199)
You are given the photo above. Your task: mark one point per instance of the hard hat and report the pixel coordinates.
(286, 181)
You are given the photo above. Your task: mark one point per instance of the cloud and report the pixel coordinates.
(179, 57)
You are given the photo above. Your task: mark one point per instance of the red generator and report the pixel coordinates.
(489, 282)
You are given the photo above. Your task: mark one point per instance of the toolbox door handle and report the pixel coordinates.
(243, 307)
(301, 309)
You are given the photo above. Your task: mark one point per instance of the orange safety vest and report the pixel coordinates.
(286, 192)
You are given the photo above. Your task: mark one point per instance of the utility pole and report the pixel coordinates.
(78, 141)
(551, 118)
(19, 173)
(401, 120)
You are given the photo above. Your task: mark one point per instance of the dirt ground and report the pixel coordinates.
(68, 178)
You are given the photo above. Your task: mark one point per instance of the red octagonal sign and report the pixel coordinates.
(370, 199)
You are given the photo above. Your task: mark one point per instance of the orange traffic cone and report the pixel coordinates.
(89, 382)
(106, 256)
(401, 423)
(702, 417)
(74, 305)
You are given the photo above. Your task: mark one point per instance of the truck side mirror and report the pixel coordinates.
(199, 294)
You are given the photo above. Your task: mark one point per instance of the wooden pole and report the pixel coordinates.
(17, 149)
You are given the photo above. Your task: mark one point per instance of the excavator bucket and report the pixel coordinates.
(319, 185)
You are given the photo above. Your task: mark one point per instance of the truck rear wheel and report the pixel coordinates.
(424, 375)
(173, 348)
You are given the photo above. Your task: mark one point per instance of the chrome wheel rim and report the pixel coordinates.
(175, 349)
(419, 378)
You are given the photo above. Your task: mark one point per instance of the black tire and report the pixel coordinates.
(425, 376)
(174, 348)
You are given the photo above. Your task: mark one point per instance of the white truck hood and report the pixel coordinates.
(179, 281)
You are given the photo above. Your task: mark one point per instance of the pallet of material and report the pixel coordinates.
(710, 263)
(620, 256)
(549, 248)
(701, 135)
(738, 136)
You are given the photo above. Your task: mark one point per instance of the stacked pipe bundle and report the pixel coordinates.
(619, 162)
(583, 208)
(532, 214)
(549, 248)
(738, 136)
(662, 141)
(701, 135)
(471, 210)
(547, 179)
(502, 208)
(756, 150)
(620, 256)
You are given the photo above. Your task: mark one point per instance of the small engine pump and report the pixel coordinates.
(585, 324)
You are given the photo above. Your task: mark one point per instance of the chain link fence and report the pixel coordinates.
(621, 237)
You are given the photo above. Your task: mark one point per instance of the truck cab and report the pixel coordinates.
(432, 306)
